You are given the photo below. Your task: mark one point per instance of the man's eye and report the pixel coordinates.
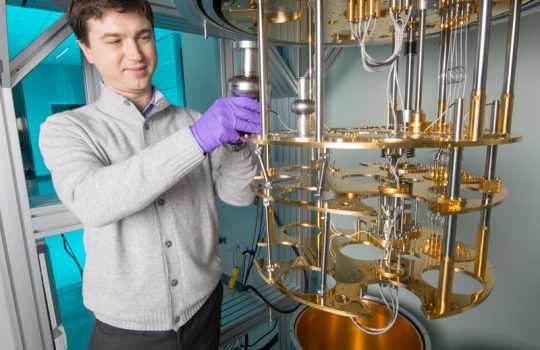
(146, 37)
(113, 42)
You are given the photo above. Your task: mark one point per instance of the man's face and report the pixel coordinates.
(123, 49)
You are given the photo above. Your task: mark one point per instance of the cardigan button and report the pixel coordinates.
(177, 319)
(127, 103)
(174, 282)
(168, 244)
(160, 202)
(146, 126)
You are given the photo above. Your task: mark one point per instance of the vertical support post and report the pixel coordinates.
(504, 125)
(262, 36)
(478, 94)
(482, 239)
(448, 252)
(443, 68)
(392, 113)
(319, 68)
(409, 72)
(324, 253)
(420, 73)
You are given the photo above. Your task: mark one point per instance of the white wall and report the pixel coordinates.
(508, 319)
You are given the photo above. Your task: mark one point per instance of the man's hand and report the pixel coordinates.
(225, 121)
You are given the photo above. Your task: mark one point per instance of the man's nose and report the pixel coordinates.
(132, 50)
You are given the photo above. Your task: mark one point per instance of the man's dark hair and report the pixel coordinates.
(80, 11)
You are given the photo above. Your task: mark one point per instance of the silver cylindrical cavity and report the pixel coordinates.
(249, 64)
(420, 73)
(458, 120)
(303, 123)
(449, 243)
(512, 46)
(443, 61)
(482, 44)
(319, 68)
(263, 71)
(304, 89)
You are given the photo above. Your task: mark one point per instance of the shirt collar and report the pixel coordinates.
(146, 111)
(118, 106)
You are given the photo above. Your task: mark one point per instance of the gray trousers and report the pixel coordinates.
(201, 332)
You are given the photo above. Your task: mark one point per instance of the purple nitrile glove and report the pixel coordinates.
(225, 120)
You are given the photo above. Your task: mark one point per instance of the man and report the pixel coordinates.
(141, 175)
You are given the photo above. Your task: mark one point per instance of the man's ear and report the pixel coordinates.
(86, 51)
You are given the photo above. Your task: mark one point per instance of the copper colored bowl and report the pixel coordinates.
(319, 330)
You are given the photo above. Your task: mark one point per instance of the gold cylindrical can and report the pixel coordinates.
(504, 122)
(476, 115)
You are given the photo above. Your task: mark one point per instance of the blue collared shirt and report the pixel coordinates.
(150, 104)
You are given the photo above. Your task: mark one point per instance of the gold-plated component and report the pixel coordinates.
(405, 188)
(338, 332)
(281, 14)
(352, 275)
(504, 121)
(482, 242)
(446, 278)
(376, 138)
(432, 247)
(352, 11)
(295, 186)
(476, 115)
(418, 123)
(492, 186)
(441, 116)
(373, 8)
(242, 15)
(448, 205)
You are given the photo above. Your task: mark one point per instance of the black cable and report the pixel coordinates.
(246, 341)
(71, 253)
(267, 302)
(261, 338)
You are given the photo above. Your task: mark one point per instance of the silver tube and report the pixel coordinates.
(491, 163)
(319, 64)
(263, 68)
(443, 68)
(512, 46)
(420, 73)
(458, 120)
(393, 92)
(409, 71)
(324, 252)
(311, 65)
(482, 45)
(269, 266)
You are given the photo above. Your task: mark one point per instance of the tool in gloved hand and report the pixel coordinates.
(225, 121)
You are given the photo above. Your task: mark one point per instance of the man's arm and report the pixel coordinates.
(100, 194)
(232, 172)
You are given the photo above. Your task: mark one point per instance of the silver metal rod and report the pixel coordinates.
(322, 174)
(420, 73)
(458, 119)
(262, 37)
(324, 252)
(482, 44)
(443, 68)
(258, 153)
(269, 266)
(392, 108)
(263, 68)
(409, 71)
(512, 46)
(319, 67)
(491, 164)
(311, 35)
